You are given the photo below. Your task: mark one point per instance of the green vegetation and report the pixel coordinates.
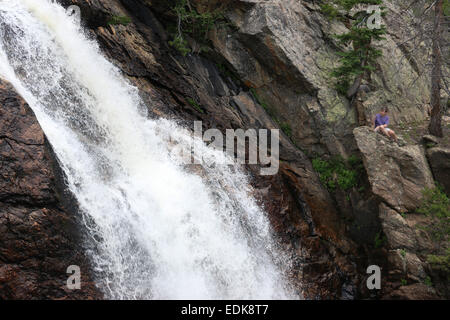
(436, 205)
(358, 56)
(180, 44)
(403, 253)
(440, 262)
(338, 172)
(428, 282)
(447, 8)
(403, 282)
(286, 128)
(192, 23)
(195, 105)
(122, 20)
(379, 240)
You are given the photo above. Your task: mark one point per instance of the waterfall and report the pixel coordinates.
(154, 229)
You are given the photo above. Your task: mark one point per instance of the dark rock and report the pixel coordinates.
(39, 239)
(439, 159)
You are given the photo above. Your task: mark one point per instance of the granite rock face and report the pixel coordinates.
(396, 174)
(285, 50)
(39, 238)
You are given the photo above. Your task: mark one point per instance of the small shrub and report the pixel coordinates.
(192, 23)
(181, 45)
(403, 282)
(337, 172)
(436, 205)
(403, 253)
(428, 282)
(379, 240)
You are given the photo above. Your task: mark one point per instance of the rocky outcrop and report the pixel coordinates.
(439, 159)
(396, 174)
(39, 239)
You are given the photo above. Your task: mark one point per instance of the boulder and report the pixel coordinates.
(439, 159)
(406, 265)
(430, 139)
(398, 233)
(396, 174)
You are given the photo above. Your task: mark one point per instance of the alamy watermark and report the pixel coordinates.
(374, 280)
(374, 20)
(74, 12)
(74, 280)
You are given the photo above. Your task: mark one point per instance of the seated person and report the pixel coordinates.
(381, 123)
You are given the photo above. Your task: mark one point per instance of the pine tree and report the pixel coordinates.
(361, 58)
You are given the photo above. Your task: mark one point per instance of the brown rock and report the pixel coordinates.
(416, 291)
(39, 238)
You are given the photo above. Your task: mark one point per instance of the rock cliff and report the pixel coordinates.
(266, 66)
(398, 176)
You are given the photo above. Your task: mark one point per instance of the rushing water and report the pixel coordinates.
(154, 230)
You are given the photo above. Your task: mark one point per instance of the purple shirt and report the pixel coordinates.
(380, 120)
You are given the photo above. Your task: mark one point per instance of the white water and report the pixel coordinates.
(155, 231)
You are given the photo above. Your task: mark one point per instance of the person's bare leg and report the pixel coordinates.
(383, 131)
(393, 135)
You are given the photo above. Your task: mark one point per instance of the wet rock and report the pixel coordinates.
(39, 238)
